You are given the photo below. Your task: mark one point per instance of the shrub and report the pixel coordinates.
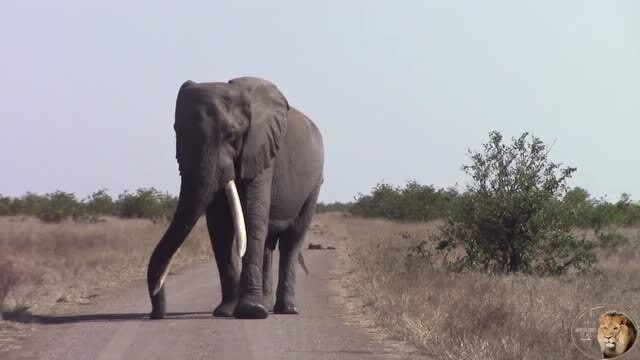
(146, 203)
(384, 202)
(5, 205)
(580, 205)
(100, 203)
(612, 240)
(59, 206)
(425, 202)
(28, 204)
(414, 202)
(55, 207)
(511, 218)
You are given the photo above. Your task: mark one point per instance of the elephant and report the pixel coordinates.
(253, 165)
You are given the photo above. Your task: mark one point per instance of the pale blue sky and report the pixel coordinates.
(399, 89)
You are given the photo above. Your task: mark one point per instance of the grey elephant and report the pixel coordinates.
(254, 166)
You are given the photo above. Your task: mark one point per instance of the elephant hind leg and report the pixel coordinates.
(268, 296)
(290, 243)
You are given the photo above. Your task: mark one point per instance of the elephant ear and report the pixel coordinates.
(268, 124)
(180, 107)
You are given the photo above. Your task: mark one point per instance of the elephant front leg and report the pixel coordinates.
(221, 232)
(256, 204)
(250, 303)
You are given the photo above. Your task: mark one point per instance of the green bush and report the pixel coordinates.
(147, 203)
(5, 205)
(59, 206)
(414, 202)
(612, 240)
(581, 207)
(512, 217)
(28, 204)
(100, 203)
(384, 202)
(597, 213)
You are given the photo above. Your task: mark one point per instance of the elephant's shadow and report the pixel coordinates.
(101, 317)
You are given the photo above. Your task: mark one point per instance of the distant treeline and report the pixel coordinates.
(57, 206)
(334, 206)
(415, 202)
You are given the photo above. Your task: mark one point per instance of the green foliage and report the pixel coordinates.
(512, 217)
(101, 203)
(58, 206)
(28, 204)
(53, 207)
(147, 203)
(597, 213)
(5, 205)
(612, 240)
(414, 202)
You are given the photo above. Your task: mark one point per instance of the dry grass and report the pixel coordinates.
(470, 316)
(8, 280)
(71, 263)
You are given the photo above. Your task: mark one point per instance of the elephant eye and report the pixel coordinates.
(229, 136)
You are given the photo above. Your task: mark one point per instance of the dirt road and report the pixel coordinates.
(118, 327)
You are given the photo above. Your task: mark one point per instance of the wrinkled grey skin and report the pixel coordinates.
(245, 131)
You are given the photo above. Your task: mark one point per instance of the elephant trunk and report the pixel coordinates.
(192, 202)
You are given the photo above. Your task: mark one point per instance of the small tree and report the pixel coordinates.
(414, 202)
(28, 204)
(512, 217)
(147, 203)
(59, 206)
(384, 201)
(581, 207)
(5, 205)
(100, 203)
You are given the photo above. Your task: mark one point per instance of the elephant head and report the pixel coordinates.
(224, 132)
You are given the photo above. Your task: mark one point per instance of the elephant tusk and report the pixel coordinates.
(238, 218)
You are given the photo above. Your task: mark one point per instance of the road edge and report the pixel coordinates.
(351, 309)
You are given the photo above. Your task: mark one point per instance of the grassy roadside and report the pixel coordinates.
(468, 316)
(54, 268)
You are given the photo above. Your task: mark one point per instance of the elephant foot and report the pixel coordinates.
(158, 305)
(156, 315)
(225, 309)
(250, 311)
(285, 309)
